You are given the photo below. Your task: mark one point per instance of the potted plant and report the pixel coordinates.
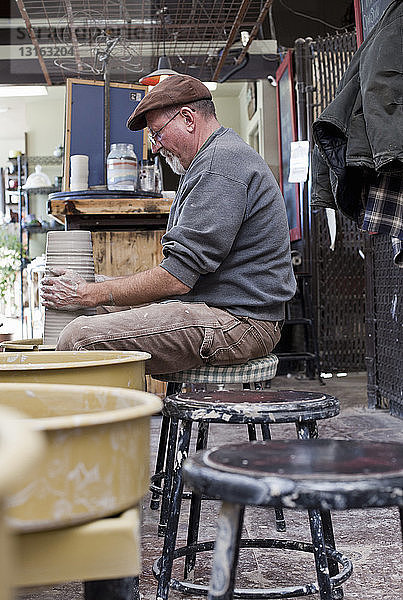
(11, 253)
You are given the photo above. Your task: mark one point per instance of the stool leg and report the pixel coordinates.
(280, 521)
(126, 588)
(252, 432)
(251, 427)
(337, 593)
(174, 512)
(318, 541)
(266, 433)
(226, 552)
(169, 467)
(195, 507)
(309, 430)
(159, 464)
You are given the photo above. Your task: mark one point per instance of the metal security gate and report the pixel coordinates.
(384, 326)
(338, 276)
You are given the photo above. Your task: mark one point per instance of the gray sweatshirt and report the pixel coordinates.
(227, 235)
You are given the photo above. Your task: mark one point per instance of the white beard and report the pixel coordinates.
(173, 161)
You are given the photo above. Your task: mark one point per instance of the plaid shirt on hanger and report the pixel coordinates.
(384, 211)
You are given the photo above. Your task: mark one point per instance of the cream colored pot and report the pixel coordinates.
(28, 345)
(97, 459)
(95, 367)
(20, 449)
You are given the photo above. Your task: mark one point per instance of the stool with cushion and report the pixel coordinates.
(315, 475)
(250, 407)
(258, 372)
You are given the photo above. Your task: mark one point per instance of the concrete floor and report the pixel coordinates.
(371, 538)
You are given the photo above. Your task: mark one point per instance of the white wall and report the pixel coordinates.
(261, 130)
(45, 122)
(12, 127)
(266, 96)
(40, 117)
(226, 100)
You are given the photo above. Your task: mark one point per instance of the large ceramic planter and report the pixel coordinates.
(20, 449)
(95, 367)
(27, 345)
(97, 458)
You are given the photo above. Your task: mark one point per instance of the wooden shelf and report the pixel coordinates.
(38, 229)
(41, 190)
(109, 206)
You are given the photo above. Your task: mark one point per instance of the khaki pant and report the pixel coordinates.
(178, 335)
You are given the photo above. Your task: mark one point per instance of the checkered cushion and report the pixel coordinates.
(259, 369)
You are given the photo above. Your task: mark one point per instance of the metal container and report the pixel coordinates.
(97, 458)
(93, 367)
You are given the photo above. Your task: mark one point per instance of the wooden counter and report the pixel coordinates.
(79, 213)
(126, 234)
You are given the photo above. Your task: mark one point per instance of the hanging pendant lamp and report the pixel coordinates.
(162, 72)
(164, 69)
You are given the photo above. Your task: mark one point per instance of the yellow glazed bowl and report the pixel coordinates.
(93, 367)
(29, 345)
(97, 458)
(20, 450)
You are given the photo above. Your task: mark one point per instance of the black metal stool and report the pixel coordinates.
(256, 372)
(253, 408)
(309, 474)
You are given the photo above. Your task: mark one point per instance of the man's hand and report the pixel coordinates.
(65, 290)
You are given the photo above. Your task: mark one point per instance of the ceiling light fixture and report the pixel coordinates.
(163, 72)
(164, 68)
(7, 91)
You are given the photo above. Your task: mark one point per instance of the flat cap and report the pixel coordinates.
(176, 89)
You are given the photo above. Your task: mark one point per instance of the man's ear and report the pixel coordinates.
(189, 116)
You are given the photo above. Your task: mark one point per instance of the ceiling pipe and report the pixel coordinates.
(35, 42)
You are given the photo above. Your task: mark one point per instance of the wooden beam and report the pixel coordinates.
(255, 30)
(234, 30)
(28, 25)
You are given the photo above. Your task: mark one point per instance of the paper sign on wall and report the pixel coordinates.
(299, 162)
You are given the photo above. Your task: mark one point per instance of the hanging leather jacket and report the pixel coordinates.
(360, 133)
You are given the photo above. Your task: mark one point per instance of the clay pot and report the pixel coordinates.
(28, 345)
(21, 448)
(95, 367)
(97, 459)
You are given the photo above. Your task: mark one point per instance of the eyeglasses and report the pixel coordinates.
(155, 136)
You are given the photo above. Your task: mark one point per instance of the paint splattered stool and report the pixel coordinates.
(253, 408)
(306, 474)
(257, 373)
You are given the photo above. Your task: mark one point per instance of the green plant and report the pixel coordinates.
(11, 252)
